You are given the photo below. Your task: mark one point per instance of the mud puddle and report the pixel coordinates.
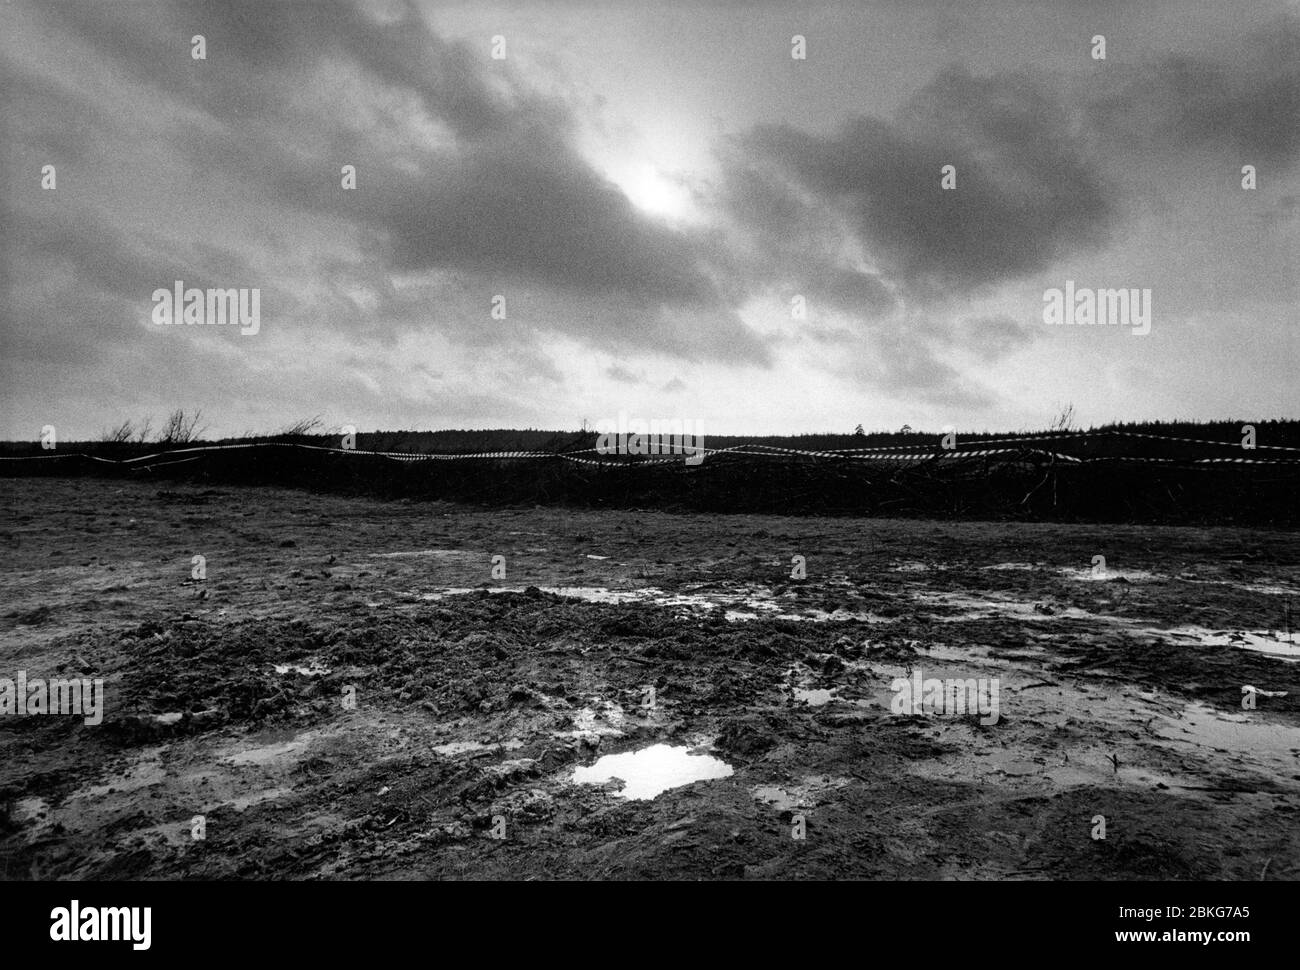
(1242, 734)
(454, 749)
(745, 604)
(811, 791)
(1273, 643)
(652, 771)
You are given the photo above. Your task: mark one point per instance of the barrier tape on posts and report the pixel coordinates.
(888, 453)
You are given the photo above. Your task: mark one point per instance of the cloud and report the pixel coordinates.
(1027, 193)
(857, 222)
(474, 180)
(461, 167)
(621, 374)
(903, 364)
(1246, 100)
(1284, 210)
(995, 336)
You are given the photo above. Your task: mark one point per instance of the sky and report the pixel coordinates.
(673, 217)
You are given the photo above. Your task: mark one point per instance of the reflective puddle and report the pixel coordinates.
(972, 607)
(1109, 575)
(739, 605)
(266, 795)
(751, 602)
(815, 696)
(436, 553)
(454, 748)
(653, 770)
(1274, 644)
(313, 669)
(1236, 733)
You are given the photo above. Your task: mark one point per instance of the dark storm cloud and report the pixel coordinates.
(524, 207)
(1027, 193)
(100, 257)
(1040, 179)
(788, 244)
(76, 276)
(261, 50)
(1249, 102)
(471, 183)
(504, 197)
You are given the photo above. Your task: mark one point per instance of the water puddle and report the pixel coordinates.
(652, 771)
(1109, 575)
(806, 795)
(313, 669)
(463, 590)
(985, 607)
(436, 553)
(455, 748)
(1275, 644)
(269, 794)
(1268, 590)
(815, 696)
(942, 651)
(589, 594)
(1232, 733)
(267, 754)
(751, 603)
(742, 605)
(272, 746)
(599, 594)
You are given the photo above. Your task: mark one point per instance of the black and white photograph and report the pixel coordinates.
(659, 442)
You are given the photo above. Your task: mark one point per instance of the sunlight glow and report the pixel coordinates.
(647, 188)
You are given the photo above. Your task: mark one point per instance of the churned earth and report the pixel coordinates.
(351, 692)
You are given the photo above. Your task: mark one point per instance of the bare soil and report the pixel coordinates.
(1120, 693)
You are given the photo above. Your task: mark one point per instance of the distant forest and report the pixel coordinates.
(127, 439)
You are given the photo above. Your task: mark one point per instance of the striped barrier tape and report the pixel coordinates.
(891, 453)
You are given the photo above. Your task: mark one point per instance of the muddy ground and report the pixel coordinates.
(478, 698)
